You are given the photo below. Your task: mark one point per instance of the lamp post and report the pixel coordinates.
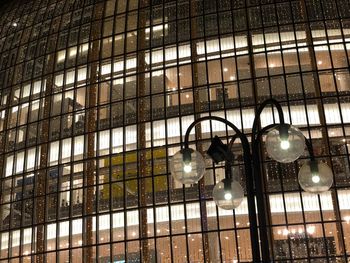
(284, 143)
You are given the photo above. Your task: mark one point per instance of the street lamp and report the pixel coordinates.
(187, 166)
(315, 177)
(228, 194)
(284, 143)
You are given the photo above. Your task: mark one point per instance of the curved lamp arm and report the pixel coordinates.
(232, 141)
(240, 135)
(261, 133)
(260, 110)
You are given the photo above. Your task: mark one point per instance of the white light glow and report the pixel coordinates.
(228, 196)
(311, 230)
(285, 144)
(315, 178)
(187, 168)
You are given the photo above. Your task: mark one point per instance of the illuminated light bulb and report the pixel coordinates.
(187, 168)
(316, 178)
(285, 144)
(225, 69)
(228, 196)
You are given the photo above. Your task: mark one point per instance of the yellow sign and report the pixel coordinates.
(131, 171)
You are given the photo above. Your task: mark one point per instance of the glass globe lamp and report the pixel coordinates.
(228, 194)
(315, 177)
(187, 166)
(285, 143)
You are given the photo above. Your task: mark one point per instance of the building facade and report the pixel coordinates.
(96, 95)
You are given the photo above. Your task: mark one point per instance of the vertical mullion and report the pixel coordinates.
(73, 137)
(238, 87)
(151, 96)
(14, 175)
(61, 139)
(110, 116)
(124, 137)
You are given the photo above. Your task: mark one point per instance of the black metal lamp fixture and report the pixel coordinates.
(284, 143)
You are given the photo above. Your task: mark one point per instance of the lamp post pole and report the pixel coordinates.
(287, 135)
(262, 203)
(254, 237)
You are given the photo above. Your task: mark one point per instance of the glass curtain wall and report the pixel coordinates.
(95, 97)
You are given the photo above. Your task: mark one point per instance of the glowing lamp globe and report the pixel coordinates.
(285, 143)
(315, 177)
(228, 194)
(187, 166)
